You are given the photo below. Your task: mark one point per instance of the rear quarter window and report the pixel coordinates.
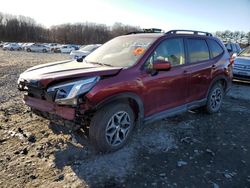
(215, 48)
(197, 50)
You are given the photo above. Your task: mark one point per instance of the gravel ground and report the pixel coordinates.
(190, 150)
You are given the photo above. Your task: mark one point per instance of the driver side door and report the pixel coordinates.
(165, 90)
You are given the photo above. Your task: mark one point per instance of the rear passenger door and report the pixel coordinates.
(199, 68)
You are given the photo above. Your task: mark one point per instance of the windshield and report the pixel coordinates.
(89, 48)
(122, 51)
(245, 53)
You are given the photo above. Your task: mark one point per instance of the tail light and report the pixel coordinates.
(232, 58)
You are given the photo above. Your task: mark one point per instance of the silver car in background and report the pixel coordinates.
(80, 54)
(233, 48)
(241, 68)
(37, 48)
(12, 46)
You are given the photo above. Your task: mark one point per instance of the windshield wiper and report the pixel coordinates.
(108, 65)
(96, 63)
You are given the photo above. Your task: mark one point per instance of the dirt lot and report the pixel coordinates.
(190, 150)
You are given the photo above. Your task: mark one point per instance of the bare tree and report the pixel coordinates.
(25, 29)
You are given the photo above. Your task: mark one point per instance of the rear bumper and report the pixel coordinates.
(64, 112)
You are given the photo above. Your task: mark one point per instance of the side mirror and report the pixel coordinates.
(160, 65)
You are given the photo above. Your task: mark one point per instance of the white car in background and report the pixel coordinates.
(37, 48)
(12, 46)
(64, 49)
(53, 46)
(80, 54)
(24, 45)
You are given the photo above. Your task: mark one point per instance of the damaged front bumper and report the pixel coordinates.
(44, 107)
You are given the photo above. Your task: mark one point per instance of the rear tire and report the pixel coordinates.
(28, 50)
(111, 127)
(44, 50)
(214, 99)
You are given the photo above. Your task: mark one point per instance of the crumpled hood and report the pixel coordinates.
(44, 74)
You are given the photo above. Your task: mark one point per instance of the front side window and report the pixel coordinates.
(171, 50)
(215, 48)
(197, 50)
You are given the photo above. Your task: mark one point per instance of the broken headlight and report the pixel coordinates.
(67, 93)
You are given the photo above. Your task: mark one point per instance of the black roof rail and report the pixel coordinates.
(134, 32)
(150, 30)
(189, 31)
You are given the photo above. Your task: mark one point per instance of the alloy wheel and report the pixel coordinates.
(118, 128)
(216, 99)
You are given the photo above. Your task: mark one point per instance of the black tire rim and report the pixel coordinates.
(216, 99)
(117, 128)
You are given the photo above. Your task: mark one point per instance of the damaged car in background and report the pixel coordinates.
(131, 80)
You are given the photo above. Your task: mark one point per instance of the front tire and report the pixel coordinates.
(111, 127)
(214, 99)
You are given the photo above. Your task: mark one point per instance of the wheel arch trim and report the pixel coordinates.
(219, 78)
(122, 96)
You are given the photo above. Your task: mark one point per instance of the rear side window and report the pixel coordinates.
(198, 50)
(215, 48)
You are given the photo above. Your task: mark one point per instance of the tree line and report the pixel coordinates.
(236, 36)
(25, 29)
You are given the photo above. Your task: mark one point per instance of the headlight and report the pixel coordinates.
(66, 94)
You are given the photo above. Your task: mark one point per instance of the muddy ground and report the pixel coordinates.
(190, 150)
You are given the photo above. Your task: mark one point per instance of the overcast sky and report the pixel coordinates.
(210, 15)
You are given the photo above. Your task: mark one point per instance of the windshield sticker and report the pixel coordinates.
(138, 51)
(140, 44)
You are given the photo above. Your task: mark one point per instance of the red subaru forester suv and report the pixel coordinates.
(132, 79)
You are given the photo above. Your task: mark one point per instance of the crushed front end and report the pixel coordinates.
(61, 103)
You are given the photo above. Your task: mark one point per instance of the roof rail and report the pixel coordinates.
(189, 31)
(150, 30)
